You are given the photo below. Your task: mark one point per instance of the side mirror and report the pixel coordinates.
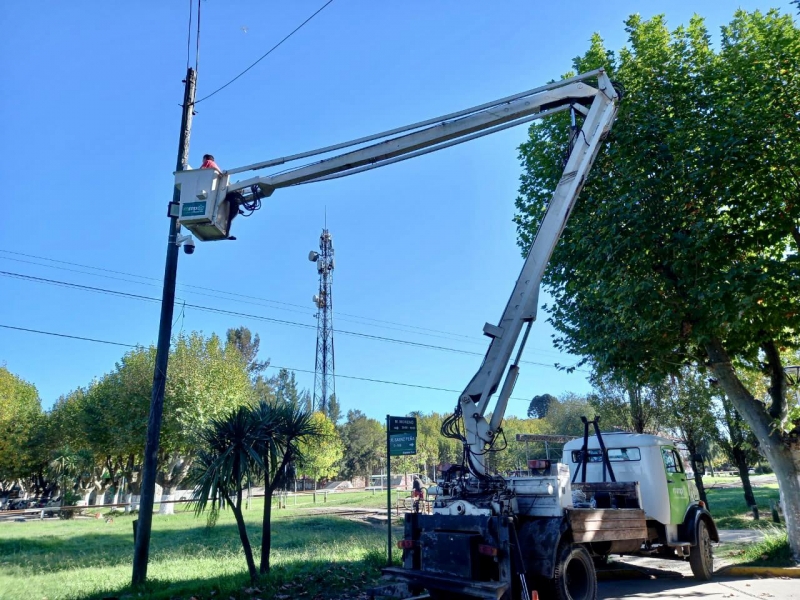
(698, 464)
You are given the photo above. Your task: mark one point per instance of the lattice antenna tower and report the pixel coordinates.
(324, 377)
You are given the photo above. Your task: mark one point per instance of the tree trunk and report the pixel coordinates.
(691, 446)
(741, 465)
(782, 451)
(248, 550)
(710, 465)
(266, 532)
(785, 461)
(166, 507)
(169, 477)
(701, 489)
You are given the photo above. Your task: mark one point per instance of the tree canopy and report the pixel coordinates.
(20, 411)
(683, 248)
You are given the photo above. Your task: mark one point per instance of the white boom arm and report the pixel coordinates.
(207, 196)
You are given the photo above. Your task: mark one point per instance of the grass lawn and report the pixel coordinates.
(730, 511)
(772, 551)
(313, 556)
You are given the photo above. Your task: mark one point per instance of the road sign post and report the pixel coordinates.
(401, 440)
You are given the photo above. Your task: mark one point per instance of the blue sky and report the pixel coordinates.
(425, 250)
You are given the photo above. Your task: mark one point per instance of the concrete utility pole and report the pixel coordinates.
(141, 552)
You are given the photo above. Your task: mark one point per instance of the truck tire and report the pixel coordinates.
(574, 577)
(701, 557)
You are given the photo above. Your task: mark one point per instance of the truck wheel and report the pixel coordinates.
(574, 577)
(701, 557)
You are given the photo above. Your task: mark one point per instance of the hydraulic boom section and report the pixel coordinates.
(522, 305)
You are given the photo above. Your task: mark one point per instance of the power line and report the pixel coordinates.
(413, 385)
(270, 51)
(368, 379)
(256, 317)
(258, 301)
(197, 41)
(189, 36)
(72, 337)
(157, 283)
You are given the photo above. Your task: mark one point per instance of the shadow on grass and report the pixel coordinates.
(301, 579)
(54, 553)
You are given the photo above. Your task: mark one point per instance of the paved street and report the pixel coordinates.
(667, 589)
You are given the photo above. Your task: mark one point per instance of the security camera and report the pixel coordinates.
(187, 242)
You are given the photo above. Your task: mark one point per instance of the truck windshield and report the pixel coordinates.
(614, 455)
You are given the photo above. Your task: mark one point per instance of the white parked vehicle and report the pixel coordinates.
(678, 524)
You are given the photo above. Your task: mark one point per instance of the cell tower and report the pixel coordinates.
(324, 378)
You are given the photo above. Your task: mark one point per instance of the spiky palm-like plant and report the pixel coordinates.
(282, 428)
(227, 458)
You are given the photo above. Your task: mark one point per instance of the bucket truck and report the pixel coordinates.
(489, 536)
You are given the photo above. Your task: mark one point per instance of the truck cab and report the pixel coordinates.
(679, 525)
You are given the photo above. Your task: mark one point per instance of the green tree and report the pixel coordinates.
(205, 380)
(323, 454)
(516, 454)
(226, 459)
(689, 415)
(20, 414)
(284, 430)
(364, 445)
(127, 390)
(738, 443)
(334, 409)
(629, 405)
(564, 416)
(248, 345)
(284, 385)
(684, 246)
(540, 405)
(263, 390)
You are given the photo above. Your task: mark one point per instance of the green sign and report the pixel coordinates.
(403, 444)
(398, 424)
(193, 209)
(402, 436)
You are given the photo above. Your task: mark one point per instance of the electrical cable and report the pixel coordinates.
(355, 318)
(256, 317)
(64, 335)
(197, 39)
(470, 339)
(357, 378)
(189, 36)
(270, 51)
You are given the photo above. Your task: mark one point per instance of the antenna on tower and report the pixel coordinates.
(324, 378)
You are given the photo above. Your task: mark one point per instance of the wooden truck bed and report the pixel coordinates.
(617, 516)
(606, 524)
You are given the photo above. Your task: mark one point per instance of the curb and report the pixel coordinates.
(734, 571)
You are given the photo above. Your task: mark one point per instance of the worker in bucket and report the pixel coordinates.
(208, 162)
